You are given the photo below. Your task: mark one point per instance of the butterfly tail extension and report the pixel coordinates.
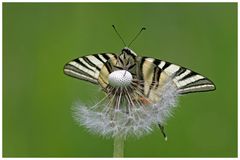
(162, 131)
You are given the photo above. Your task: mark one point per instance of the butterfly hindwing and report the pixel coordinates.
(88, 67)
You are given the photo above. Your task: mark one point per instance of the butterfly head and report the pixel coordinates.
(127, 59)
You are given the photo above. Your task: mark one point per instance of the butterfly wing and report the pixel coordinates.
(154, 72)
(88, 67)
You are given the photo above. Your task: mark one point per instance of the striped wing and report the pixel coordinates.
(88, 67)
(155, 71)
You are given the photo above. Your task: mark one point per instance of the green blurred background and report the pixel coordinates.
(39, 38)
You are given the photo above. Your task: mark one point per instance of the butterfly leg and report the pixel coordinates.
(162, 130)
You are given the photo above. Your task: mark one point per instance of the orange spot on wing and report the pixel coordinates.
(144, 100)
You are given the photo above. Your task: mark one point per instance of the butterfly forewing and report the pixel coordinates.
(186, 80)
(88, 67)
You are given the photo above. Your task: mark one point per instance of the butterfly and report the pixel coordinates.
(96, 68)
(150, 74)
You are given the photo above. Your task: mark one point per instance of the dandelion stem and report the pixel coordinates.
(118, 146)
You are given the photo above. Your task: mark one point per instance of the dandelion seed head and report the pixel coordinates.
(120, 78)
(123, 112)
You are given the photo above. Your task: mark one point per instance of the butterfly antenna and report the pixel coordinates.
(118, 35)
(136, 36)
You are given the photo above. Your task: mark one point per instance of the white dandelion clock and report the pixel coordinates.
(140, 92)
(120, 78)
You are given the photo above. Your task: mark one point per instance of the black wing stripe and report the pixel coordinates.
(79, 76)
(82, 64)
(97, 56)
(166, 65)
(156, 62)
(157, 74)
(74, 68)
(109, 67)
(199, 82)
(180, 71)
(141, 77)
(91, 63)
(106, 56)
(191, 74)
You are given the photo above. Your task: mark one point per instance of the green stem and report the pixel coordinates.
(118, 146)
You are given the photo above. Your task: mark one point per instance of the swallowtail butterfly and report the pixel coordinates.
(152, 72)
(97, 67)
